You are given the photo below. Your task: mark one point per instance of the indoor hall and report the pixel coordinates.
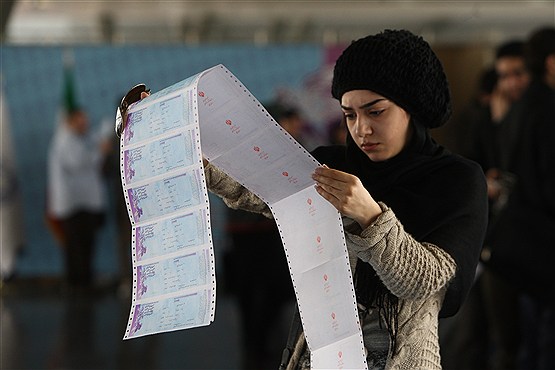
(90, 53)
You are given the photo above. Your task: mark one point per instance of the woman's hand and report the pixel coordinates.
(346, 193)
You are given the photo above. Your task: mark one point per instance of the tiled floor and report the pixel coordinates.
(41, 328)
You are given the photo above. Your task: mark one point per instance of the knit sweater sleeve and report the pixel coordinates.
(408, 268)
(234, 195)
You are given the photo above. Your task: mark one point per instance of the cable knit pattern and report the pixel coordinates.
(418, 274)
(409, 269)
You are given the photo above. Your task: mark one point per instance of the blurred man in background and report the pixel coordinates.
(75, 195)
(256, 270)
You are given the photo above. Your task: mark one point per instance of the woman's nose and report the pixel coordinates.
(363, 127)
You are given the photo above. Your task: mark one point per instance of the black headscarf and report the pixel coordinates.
(438, 197)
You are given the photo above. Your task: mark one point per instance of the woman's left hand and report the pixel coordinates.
(346, 193)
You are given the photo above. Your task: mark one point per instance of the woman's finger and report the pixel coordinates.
(327, 195)
(329, 177)
(334, 192)
(332, 173)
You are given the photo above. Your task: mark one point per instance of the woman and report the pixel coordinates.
(414, 214)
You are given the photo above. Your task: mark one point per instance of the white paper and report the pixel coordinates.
(342, 354)
(165, 188)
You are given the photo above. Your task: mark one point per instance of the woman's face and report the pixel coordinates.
(379, 127)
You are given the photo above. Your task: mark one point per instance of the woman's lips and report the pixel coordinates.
(368, 147)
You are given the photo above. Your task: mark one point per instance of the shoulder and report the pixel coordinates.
(464, 166)
(457, 169)
(458, 179)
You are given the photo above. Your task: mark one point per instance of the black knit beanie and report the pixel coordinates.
(400, 66)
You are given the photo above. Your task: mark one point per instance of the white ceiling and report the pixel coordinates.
(260, 22)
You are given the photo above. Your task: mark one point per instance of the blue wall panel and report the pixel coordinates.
(32, 82)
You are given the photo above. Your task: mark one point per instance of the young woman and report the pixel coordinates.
(414, 214)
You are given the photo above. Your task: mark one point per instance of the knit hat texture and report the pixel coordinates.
(400, 66)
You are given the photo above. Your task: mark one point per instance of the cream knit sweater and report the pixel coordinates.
(417, 273)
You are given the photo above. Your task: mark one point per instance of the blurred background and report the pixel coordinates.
(282, 51)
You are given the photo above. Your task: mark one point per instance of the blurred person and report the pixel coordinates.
(256, 273)
(11, 221)
(414, 214)
(110, 166)
(337, 132)
(11, 241)
(512, 78)
(523, 244)
(255, 241)
(290, 119)
(493, 300)
(493, 144)
(498, 139)
(469, 121)
(496, 133)
(76, 194)
(464, 338)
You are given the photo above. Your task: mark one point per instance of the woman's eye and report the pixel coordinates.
(349, 116)
(376, 113)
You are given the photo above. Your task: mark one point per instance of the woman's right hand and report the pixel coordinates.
(347, 194)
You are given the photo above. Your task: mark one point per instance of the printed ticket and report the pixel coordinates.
(156, 119)
(161, 156)
(171, 275)
(165, 196)
(170, 314)
(170, 235)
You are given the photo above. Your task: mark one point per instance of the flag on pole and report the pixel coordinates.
(68, 95)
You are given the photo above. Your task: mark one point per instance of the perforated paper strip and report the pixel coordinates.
(174, 282)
